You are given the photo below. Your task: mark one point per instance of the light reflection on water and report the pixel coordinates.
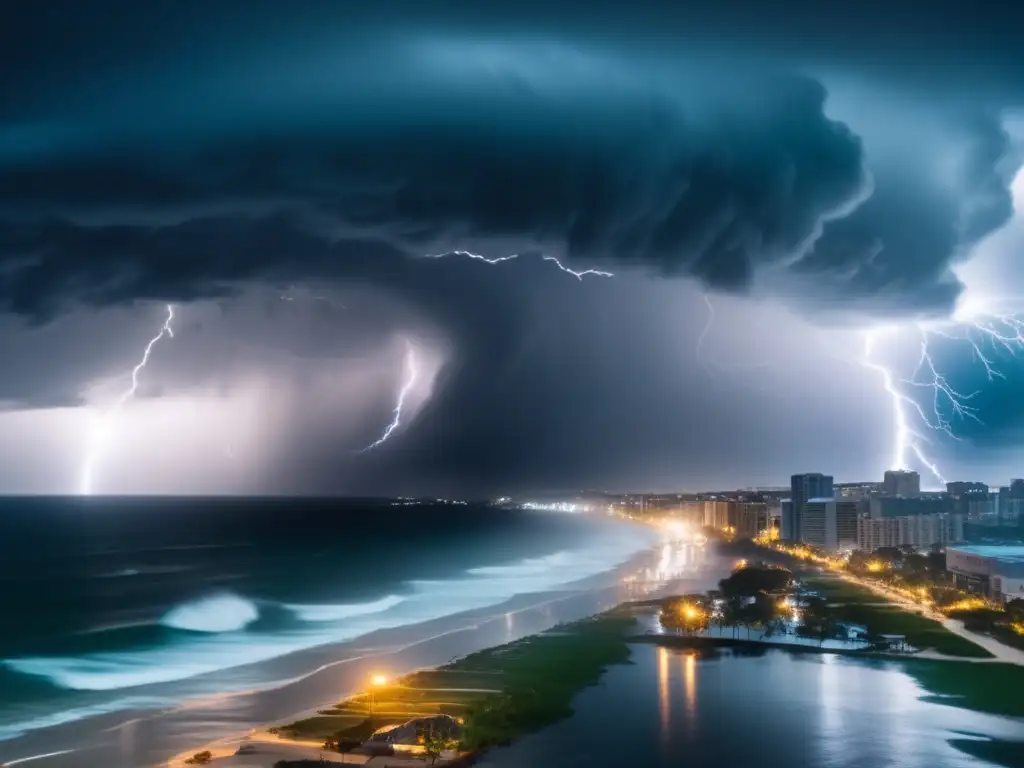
(770, 709)
(664, 709)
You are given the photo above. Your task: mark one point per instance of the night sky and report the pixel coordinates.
(764, 182)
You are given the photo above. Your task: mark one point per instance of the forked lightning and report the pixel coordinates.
(97, 441)
(984, 335)
(411, 374)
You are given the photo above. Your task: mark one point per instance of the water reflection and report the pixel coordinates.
(676, 559)
(664, 710)
(771, 710)
(690, 684)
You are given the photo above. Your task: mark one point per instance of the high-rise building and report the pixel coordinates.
(919, 531)
(787, 520)
(751, 519)
(901, 506)
(744, 519)
(1010, 505)
(716, 514)
(901, 482)
(971, 499)
(831, 524)
(813, 485)
(855, 491)
(961, 488)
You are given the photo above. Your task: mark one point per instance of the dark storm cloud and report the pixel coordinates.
(604, 173)
(926, 212)
(155, 164)
(180, 150)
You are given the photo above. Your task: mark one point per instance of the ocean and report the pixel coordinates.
(112, 604)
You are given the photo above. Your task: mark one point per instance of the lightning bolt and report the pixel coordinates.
(411, 373)
(99, 435)
(499, 259)
(948, 405)
(704, 334)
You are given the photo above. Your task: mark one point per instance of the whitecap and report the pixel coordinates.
(218, 645)
(316, 613)
(216, 613)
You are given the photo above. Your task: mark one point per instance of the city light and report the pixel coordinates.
(561, 506)
(967, 604)
(676, 529)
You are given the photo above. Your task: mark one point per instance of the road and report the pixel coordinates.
(999, 651)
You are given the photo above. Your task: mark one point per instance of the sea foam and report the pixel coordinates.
(217, 613)
(222, 641)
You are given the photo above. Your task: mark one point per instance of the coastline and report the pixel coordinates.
(133, 738)
(944, 678)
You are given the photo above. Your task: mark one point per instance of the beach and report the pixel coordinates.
(148, 737)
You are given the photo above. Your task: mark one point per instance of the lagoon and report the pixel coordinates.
(768, 708)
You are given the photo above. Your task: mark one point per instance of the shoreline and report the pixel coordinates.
(274, 746)
(134, 738)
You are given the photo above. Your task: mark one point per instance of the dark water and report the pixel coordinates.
(771, 710)
(118, 604)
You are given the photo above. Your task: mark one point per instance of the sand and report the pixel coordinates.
(135, 739)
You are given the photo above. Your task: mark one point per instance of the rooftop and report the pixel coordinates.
(1005, 552)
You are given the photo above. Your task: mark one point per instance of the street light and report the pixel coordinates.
(376, 681)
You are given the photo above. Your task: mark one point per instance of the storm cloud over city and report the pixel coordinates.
(488, 249)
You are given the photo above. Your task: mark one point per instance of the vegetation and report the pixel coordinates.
(914, 576)
(755, 580)
(994, 688)
(854, 604)
(756, 596)
(200, 758)
(436, 742)
(542, 674)
(1008, 753)
(689, 613)
(516, 688)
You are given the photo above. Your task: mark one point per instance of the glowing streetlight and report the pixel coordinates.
(376, 681)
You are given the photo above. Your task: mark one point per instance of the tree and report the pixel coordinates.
(818, 620)
(754, 580)
(1015, 609)
(858, 562)
(689, 613)
(937, 565)
(435, 742)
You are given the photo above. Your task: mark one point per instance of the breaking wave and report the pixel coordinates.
(226, 630)
(217, 613)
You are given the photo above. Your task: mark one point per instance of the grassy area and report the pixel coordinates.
(860, 605)
(1006, 753)
(993, 688)
(838, 590)
(517, 688)
(920, 632)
